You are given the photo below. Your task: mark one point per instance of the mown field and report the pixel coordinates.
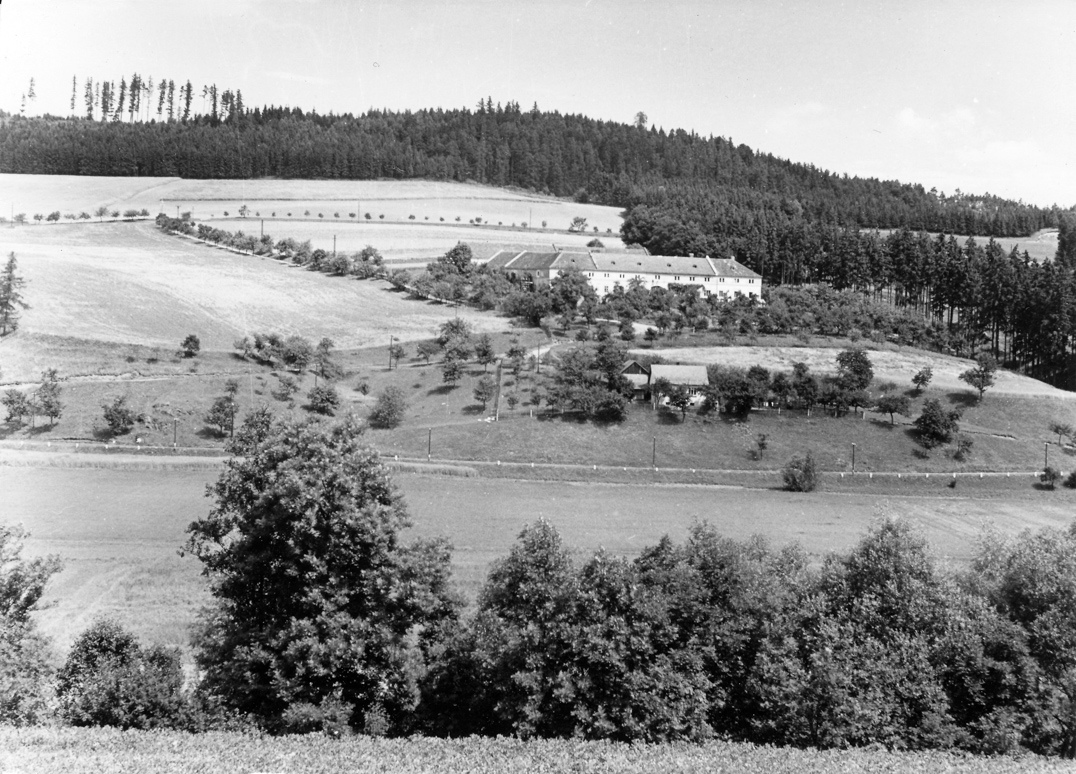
(120, 524)
(412, 245)
(129, 283)
(81, 751)
(395, 199)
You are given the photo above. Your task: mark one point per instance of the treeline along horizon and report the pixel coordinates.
(708, 184)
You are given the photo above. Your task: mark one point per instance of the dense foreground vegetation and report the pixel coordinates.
(325, 620)
(88, 751)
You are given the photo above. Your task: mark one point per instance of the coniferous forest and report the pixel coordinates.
(681, 194)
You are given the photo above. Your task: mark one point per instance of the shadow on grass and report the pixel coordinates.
(443, 389)
(963, 399)
(884, 423)
(211, 434)
(474, 408)
(670, 418)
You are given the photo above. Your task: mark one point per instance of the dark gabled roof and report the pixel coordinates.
(528, 260)
(692, 375)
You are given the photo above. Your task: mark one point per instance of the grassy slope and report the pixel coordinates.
(119, 525)
(93, 750)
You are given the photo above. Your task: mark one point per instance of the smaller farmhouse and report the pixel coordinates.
(725, 277)
(692, 377)
(639, 376)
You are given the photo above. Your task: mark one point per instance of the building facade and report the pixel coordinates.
(724, 277)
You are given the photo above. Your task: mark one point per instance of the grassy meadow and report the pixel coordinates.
(81, 751)
(119, 522)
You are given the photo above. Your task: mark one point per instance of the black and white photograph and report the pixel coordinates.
(610, 386)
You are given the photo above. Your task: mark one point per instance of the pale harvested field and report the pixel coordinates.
(399, 242)
(129, 283)
(889, 365)
(120, 529)
(1041, 246)
(395, 199)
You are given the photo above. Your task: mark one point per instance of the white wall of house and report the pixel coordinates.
(603, 283)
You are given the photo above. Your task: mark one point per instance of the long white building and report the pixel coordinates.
(726, 277)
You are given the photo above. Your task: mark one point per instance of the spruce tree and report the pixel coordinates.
(11, 300)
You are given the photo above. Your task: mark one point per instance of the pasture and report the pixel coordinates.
(119, 526)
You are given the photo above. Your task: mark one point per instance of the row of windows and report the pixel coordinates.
(677, 278)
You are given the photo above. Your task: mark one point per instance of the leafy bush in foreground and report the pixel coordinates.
(109, 679)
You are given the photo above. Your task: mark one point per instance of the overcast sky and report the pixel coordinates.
(969, 94)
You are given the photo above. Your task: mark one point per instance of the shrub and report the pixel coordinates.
(323, 399)
(118, 416)
(287, 387)
(800, 474)
(190, 345)
(111, 680)
(381, 217)
(1070, 481)
(368, 216)
(963, 449)
(389, 410)
(1049, 477)
(936, 425)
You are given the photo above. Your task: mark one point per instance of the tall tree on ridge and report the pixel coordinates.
(88, 98)
(121, 101)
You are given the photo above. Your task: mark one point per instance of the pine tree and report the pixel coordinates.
(88, 97)
(121, 101)
(11, 300)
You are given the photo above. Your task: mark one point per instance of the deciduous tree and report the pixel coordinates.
(321, 616)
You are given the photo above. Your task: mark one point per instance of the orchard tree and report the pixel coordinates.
(222, 414)
(322, 619)
(982, 376)
(854, 369)
(190, 345)
(893, 404)
(1063, 430)
(390, 408)
(451, 370)
(18, 406)
(47, 396)
(680, 399)
(484, 390)
(427, 349)
(922, 378)
(11, 300)
(484, 351)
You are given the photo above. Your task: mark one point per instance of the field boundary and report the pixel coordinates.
(88, 453)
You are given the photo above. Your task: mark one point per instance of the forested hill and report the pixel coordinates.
(710, 185)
